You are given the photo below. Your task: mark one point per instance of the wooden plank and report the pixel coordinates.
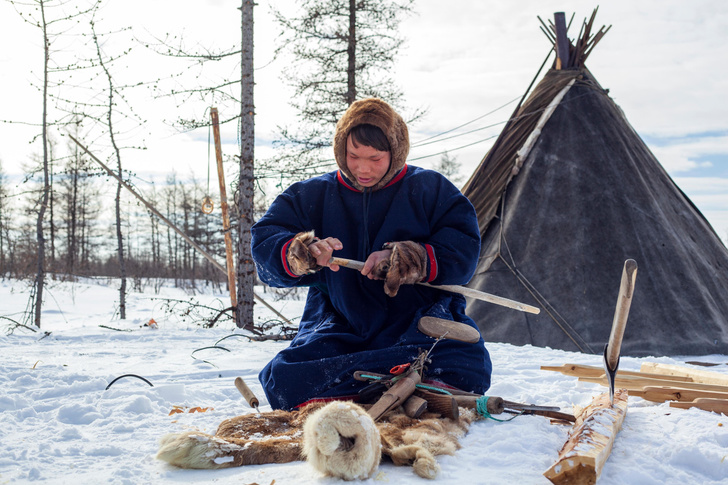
(634, 383)
(697, 375)
(706, 404)
(580, 370)
(582, 457)
(662, 394)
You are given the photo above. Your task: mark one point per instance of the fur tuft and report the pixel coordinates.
(194, 450)
(299, 259)
(342, 441)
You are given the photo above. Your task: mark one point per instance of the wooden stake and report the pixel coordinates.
(225, 216)
(582, 457)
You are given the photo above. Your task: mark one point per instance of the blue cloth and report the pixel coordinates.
(349, 323)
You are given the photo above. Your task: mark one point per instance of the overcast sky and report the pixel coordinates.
(664, 62)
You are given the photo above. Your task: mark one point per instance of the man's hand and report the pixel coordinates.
(323, 249)
(400, 263)
(377, 265)
(308, 254)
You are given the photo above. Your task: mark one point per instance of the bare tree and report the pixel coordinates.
(343, 50)
(6, 251)
(245, 116)
(52, 19)
(246, 180)
(114, 97)
(78, 199)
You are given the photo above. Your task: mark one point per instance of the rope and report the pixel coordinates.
(128, 375)
(419, 386)
(482, 409)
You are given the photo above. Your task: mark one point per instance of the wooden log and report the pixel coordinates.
(579, 370)
(706, 404)
(582, 457)
(414, 406)
(396, 395)
(662, 394)
(446, 405)
(697, 375)
(634, 383)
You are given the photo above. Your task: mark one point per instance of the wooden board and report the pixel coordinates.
(662, 394)
(441, 328)
(579, 370)
(637, 383)
(706, 404)
(697, 375)
(582, 457)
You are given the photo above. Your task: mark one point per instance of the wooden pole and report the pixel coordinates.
(562, 41)
(225, 216)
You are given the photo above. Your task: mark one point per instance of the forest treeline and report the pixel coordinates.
(80, 227)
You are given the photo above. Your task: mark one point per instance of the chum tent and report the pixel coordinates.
(569, 192)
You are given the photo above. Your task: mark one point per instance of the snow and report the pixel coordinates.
(61, 425)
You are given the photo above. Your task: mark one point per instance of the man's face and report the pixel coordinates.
(367, 164)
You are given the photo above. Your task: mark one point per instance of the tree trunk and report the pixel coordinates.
(40, 275)
(351, 52)
(246, 269)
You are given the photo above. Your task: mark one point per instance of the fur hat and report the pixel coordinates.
(375, 112)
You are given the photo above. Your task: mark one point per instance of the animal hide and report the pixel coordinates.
(277, 437)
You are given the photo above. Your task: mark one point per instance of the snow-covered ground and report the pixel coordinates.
(60, 425)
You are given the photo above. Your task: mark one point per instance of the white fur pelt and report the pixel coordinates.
(342, 441)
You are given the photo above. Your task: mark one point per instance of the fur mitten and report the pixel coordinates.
(342, 441)
(407, 265)
(300, 260)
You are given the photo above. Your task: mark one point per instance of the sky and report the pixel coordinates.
(664, 62)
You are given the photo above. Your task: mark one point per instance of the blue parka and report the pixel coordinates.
(349, 323)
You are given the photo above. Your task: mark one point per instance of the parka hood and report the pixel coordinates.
(375, 112)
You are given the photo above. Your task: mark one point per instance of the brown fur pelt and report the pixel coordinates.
(407, 265)
(277, 437)
(300, 260)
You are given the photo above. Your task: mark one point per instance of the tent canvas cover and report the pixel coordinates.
(567, 193)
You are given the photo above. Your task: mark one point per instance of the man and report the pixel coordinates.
(408, 225)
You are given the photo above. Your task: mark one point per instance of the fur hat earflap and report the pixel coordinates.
(375, 112)
(342, 441)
